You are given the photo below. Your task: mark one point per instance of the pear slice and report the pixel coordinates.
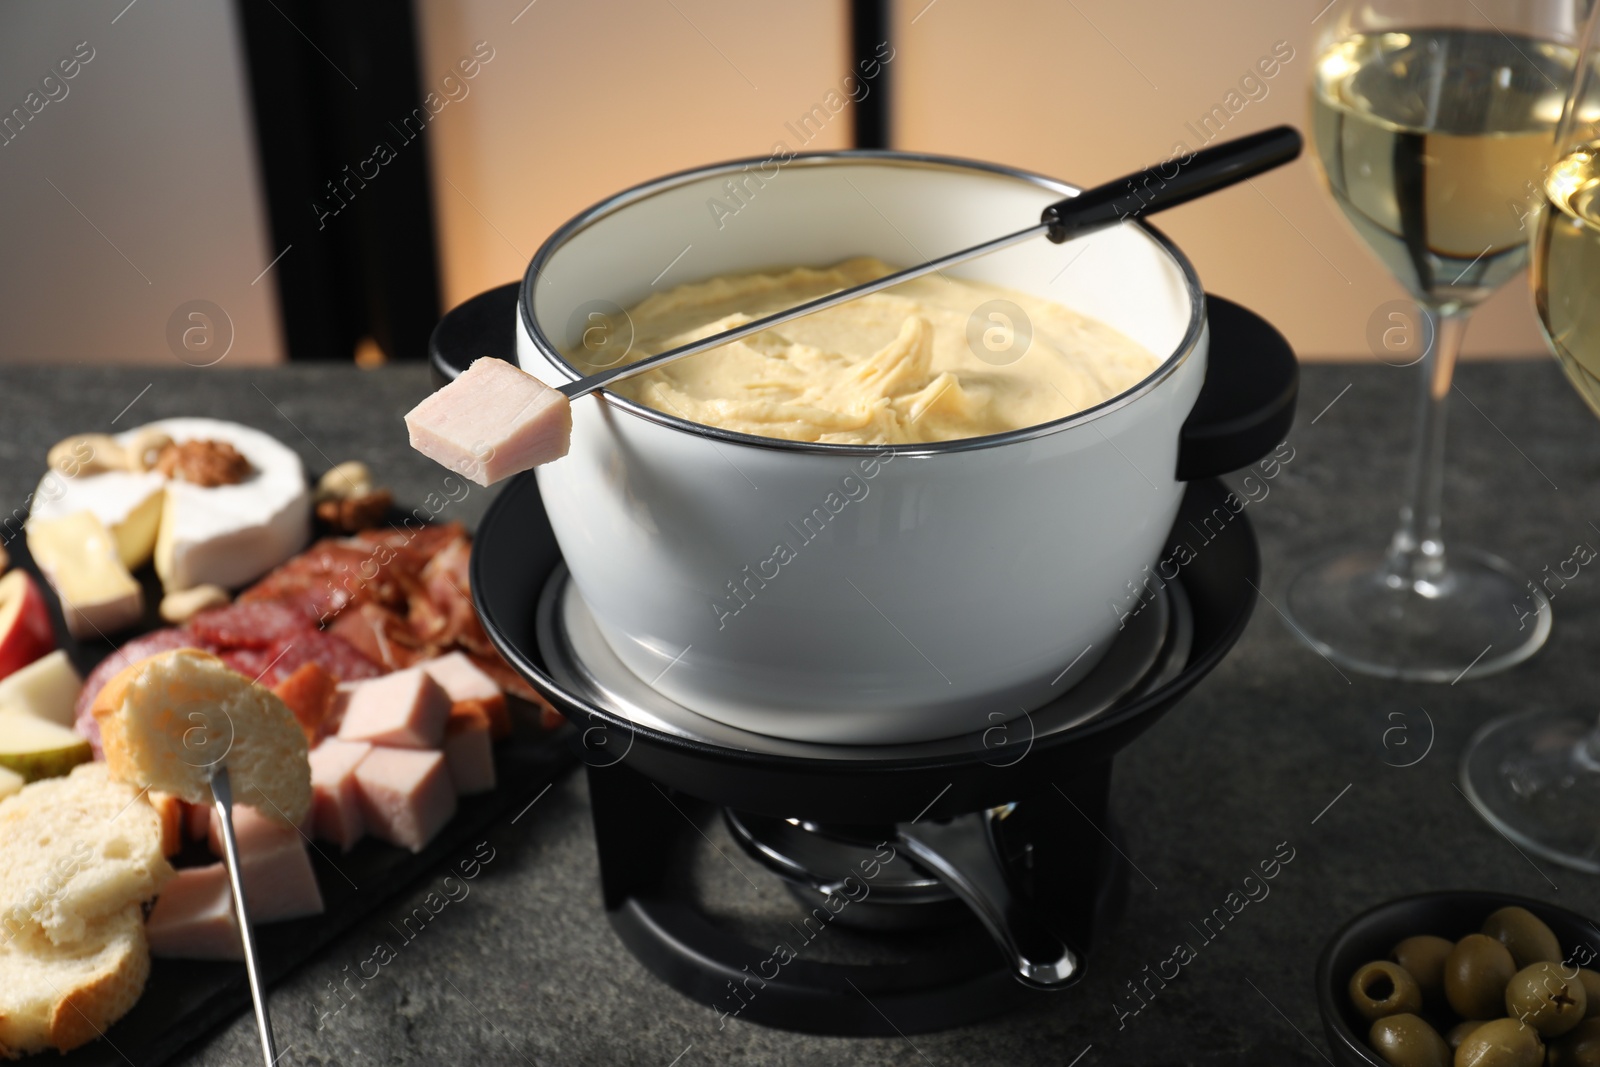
(47, 689)
(38, 749)
(10, 783)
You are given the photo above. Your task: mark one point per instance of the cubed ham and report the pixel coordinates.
(255, 834)
(335, 798)
(193, 917)
(406, 795)
(466, 685)
(493, 421)
(406, 709)
(468, 751)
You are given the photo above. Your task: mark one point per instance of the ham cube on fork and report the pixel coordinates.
(493, 421)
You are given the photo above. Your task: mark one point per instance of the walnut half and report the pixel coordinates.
(206, 463)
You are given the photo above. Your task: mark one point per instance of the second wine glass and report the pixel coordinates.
(1431, 123)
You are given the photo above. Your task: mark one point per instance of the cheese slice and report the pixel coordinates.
(79, 556)
(129, 504)
(229, 535)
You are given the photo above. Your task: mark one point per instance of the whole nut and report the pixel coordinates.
(86, 453)
(183, 605)
(348, 479)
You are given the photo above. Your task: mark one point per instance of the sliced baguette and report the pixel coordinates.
(167, 723)
(77, 849)
(60, 997)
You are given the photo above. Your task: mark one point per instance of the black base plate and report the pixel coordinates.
(651, 791)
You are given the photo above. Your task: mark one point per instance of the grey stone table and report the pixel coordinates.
(1276, 746)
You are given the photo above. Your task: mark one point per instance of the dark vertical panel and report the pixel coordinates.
(869, 28)
(346, 180)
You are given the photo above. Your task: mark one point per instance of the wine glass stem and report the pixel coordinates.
(1416, 555)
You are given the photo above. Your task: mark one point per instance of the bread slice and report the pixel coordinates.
(74, 851)
(167, 723)
(80, 856)
(62, 996)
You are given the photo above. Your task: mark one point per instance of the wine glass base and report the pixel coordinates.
(1535, 778)
(1479, 618)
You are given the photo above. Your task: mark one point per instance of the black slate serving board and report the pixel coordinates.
(184, 1000)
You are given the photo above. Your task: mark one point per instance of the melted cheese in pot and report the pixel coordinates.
(893, 367)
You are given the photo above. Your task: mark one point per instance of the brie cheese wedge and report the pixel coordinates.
(78, 555)
(127, 503)
(225, 535)
(229, 535)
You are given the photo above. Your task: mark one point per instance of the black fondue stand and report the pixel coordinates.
(997, 829)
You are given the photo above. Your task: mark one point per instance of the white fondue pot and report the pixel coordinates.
(852, 594)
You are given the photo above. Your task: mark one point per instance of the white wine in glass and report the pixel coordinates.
(1432, 122)
(1566, 268)
(1428, 138)
(1536, 776)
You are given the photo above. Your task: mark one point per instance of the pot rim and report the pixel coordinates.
(612, 204)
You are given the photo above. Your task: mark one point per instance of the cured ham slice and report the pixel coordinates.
(493, 421)
(310, 693)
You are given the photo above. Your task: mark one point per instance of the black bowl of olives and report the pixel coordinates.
(1463, 979)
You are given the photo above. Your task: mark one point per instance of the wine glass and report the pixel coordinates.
(1537, 776)
(1431, 120)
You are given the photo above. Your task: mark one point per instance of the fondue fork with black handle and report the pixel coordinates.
(534, 421)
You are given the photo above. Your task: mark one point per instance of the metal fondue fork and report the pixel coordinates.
(222, 796)
(1131, 196)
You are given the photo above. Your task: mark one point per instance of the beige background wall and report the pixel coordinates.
(135, 192)
(156, 199)
(586, 99)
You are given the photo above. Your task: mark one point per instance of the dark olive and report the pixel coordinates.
(1580, 1047)
(1423, 958)
(1525, 934)
(1591, 989)
(1458, 1033)
(1544, 998)
(1382, 988)
(1501, 1043)
(1475, 977)
(1406, 1041)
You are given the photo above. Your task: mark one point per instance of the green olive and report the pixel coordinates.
(1543, 997)
(1580, 1047)
(1591, 989)
(1525, 934)
(1423, 958)
(1501, 1043)
(1458, 1033)
(1475, 977)
(1382, 988)
(1406, 1041)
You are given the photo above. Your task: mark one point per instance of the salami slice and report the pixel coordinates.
(254, 624)
(250, 662)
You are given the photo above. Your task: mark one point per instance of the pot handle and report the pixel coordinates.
(486, 325)
(1246, 405)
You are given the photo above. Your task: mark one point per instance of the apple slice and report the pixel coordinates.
(47, 689)
(25, 632)
(38, 749)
